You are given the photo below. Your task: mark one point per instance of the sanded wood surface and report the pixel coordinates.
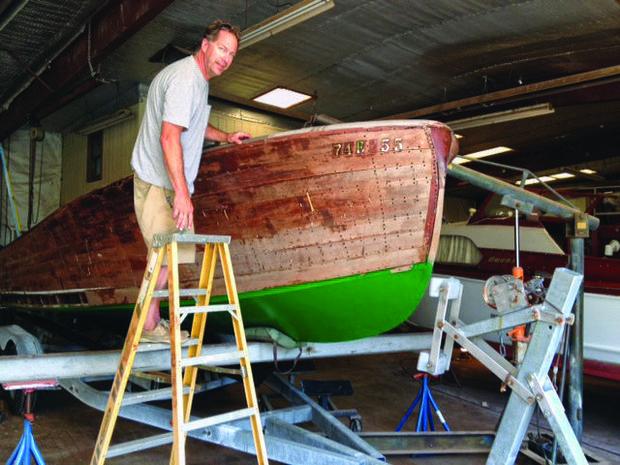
(302, 206)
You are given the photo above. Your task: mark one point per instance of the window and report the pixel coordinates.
(94, 160)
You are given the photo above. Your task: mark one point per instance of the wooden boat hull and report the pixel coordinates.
(334, 231)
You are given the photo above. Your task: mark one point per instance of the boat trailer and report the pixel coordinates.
(291, 444)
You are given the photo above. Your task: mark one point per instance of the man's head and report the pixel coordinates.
(218, 48)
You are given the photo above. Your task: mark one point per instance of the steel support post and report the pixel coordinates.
(575, 384)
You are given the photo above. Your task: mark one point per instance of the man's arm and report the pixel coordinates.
(213, 133)
(182, 208)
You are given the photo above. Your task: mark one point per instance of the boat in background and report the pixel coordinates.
(474, 250)
(334, 231)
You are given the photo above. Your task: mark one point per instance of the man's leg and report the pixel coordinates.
(153, 206)
(153, 316)
(154, 216)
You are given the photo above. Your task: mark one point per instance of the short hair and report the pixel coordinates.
(218, 25)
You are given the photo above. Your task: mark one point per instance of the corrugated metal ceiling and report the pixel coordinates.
(363, 58)
(366, 59)
(32, 32)
(369, 59)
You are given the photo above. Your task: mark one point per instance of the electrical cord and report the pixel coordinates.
(95, 74)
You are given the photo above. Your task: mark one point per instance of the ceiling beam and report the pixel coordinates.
(509, 93)
(110, 28)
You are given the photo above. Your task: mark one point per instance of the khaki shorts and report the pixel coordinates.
(153, 206)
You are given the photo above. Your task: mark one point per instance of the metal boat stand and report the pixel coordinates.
(286, 442)
(32, 364)
(530, 383)
(579, 225)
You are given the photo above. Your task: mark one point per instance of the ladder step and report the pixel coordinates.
(212, 359)
(153, 346)
(150, 396)
(218, 419)
(159, 240)
(208, 309)
(139, 444)
(182, 293)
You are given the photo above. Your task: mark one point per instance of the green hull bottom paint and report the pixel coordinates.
(334, 310)
(339, 309)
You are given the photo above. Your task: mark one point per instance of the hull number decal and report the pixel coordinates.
(359, 147)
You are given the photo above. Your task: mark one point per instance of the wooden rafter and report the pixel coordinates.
(513, 92)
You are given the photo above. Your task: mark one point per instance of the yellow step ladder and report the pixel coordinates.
(183, 370)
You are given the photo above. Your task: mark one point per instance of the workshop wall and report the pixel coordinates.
(118, 141)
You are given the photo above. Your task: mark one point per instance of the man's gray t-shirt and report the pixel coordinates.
(179, 95)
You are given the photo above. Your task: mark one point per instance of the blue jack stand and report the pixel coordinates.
(425, 415)
(27, 447)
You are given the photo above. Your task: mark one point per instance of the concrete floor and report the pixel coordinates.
(383, 389)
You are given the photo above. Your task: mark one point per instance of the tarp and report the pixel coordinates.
(47, 172)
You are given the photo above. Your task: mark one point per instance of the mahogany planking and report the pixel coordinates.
(301, 206)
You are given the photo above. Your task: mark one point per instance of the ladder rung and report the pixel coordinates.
(182, 293)
(139, 444)
(152, 346)
(212, 359)
(218, 419)
(150, 396)
(208, 309)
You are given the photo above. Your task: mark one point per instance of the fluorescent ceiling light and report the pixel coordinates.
(562, 175)
(282, 98)
(481, 154)
(458, 136)
(105, 122)
(296, 14)
(549, 178)
(501, 116)
(536, 181)
(587, 171)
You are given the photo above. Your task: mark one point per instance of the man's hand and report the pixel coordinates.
(183, 212)
(237, 137)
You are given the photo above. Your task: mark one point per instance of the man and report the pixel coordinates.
(167, 153)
